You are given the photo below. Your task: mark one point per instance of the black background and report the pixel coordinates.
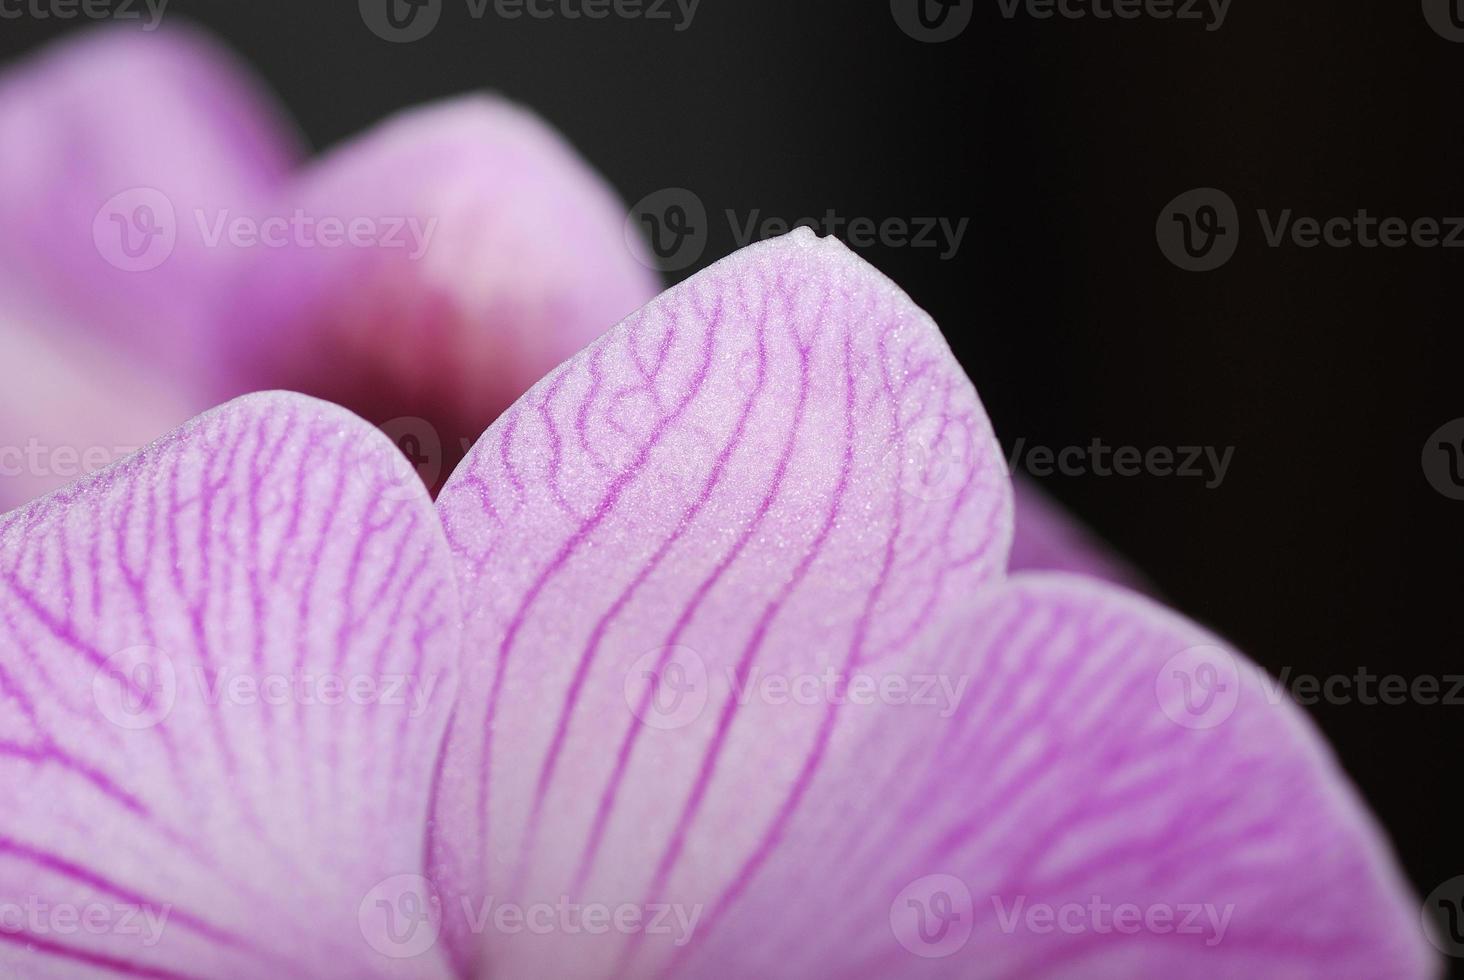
(1061, 140)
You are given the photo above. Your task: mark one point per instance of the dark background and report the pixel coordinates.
(1325, 548)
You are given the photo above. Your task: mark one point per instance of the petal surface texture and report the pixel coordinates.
(226, 667)
(777, 467)
(1050, 539)
(744, 678)
(474, 251)
(1116, 794)
(120, 149)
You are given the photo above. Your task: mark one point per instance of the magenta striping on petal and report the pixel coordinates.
(226, 666)
(774, 474)
(1074, 775)
(776, 467)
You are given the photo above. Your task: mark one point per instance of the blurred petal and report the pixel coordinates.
(69, 408)
(225, 670)
(112, 145)
(1078, 776)
(473, 252)
(1049, 538)
(778, 465)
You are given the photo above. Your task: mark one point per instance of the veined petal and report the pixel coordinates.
(435, 268)
(776, 468)
(120, 148)
(226, 665)
(1050, 539)
(1115, 794)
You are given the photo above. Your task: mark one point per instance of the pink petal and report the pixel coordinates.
(486, 253)
(776, 465)
(153, 761)
(68, 409)
(116, 131)
(1049, 538)
(1076, 769)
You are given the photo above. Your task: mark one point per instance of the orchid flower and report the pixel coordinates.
(519, 259)
(697, 667)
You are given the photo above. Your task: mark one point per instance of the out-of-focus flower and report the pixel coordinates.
(711, 674)
(155, 213)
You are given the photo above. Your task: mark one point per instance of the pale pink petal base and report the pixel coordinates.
(226, 665)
